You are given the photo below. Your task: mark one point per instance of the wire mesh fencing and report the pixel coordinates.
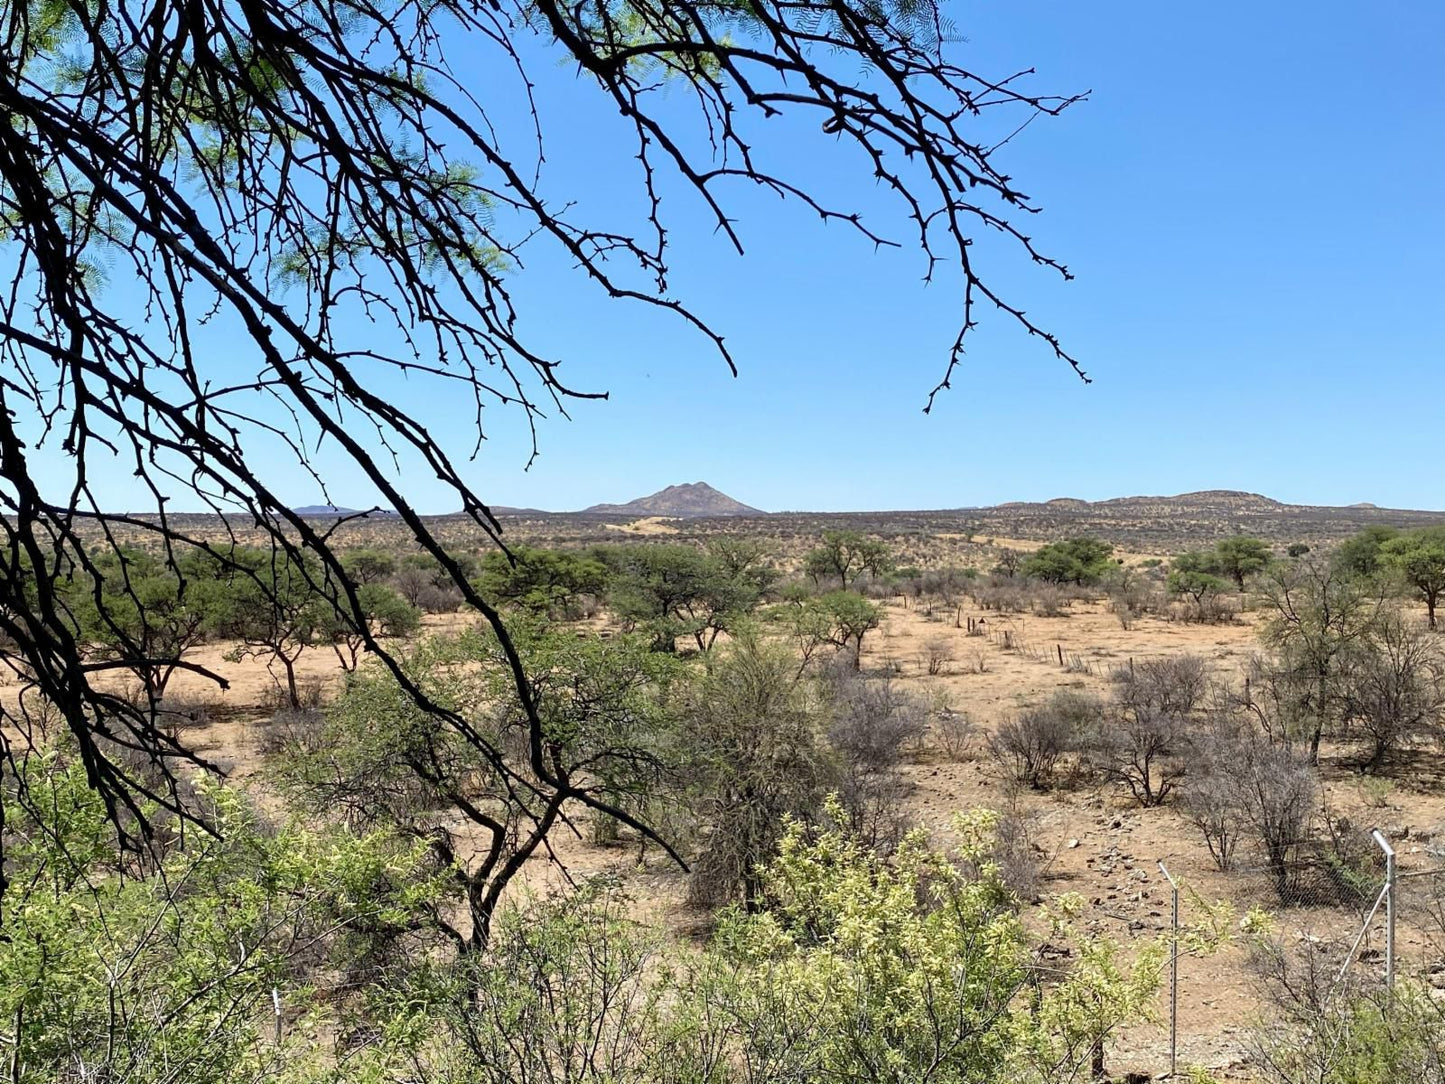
(1339, 929)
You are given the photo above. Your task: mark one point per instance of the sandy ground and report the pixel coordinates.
(1093, 839)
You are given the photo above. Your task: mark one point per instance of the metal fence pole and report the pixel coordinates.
(1173, 973)
(1384, 845)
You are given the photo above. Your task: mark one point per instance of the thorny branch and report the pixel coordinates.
(321, 181)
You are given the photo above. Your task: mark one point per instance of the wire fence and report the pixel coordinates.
(1007, 637)
(1333, 937)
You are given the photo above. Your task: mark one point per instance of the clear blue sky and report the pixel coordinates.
(1251, 201)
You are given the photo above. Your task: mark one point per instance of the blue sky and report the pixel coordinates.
(1251, 203)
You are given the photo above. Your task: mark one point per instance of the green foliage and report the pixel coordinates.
(849, 969)
(839, 618)
(165, 970)
(846, 556)
(1076, 560)
(1358, 1037)
(1195, 574)
(1229, 559)
(385, 613)
(1418, 558)
(1241, 557)
(144, 614)
(754, 757)
(380, 758)
(548, 582)
(675, 591)
(1317, 615)
(369, 566)
(917, 968)
(271, 604)
(1360, 556)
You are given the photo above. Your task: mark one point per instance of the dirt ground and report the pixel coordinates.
(1092, 840)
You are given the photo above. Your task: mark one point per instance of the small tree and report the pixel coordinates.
(1394, 688)
(850, 617)
(1191, 577)
(1076, 560)
(1418, 558)
(145, 614)
(1009, 563)
(1241, 557)
(754, 759)
(846, 556)
(550, 582)
(369, 566)
(273, 606)
(673, 591)
(385, 612)
(1142, 749)
(1359, 555)
(1318, 614)
(747, 560)
(383, 759)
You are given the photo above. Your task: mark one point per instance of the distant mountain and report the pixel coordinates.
(1187, 518)
(690, 501)
(322, 511)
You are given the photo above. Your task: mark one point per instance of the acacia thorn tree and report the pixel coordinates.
(231, 227)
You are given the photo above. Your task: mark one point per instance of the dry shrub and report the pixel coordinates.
(1211, 805)
(1246, 785)
(1210, 610)
(1030, 747)
(938, 652)
(1021, 859)
(1001, 595)
(310, 694)
(292, 728)
(1134, 599)
(185, 713)
(1017, 854)
(955, 734)
(1145, 751)
(873, 720)
(1169, 686)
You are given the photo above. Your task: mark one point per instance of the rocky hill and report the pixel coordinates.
(694, 500)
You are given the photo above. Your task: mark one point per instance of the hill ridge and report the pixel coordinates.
(690, 500)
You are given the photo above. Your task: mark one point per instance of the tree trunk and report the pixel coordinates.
(289, 665)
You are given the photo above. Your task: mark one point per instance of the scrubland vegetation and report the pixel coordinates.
(368, 898)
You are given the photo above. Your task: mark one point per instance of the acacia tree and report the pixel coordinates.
(1241, 557)
(141, 615)
(317, 189)
(1317, 616)
(1418, 558)
(846, 555)
(273, 609)
(380, 759)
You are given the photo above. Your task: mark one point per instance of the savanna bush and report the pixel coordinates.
(1030, 746)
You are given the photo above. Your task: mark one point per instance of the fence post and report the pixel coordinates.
(1384, 845)
(1173, 972)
